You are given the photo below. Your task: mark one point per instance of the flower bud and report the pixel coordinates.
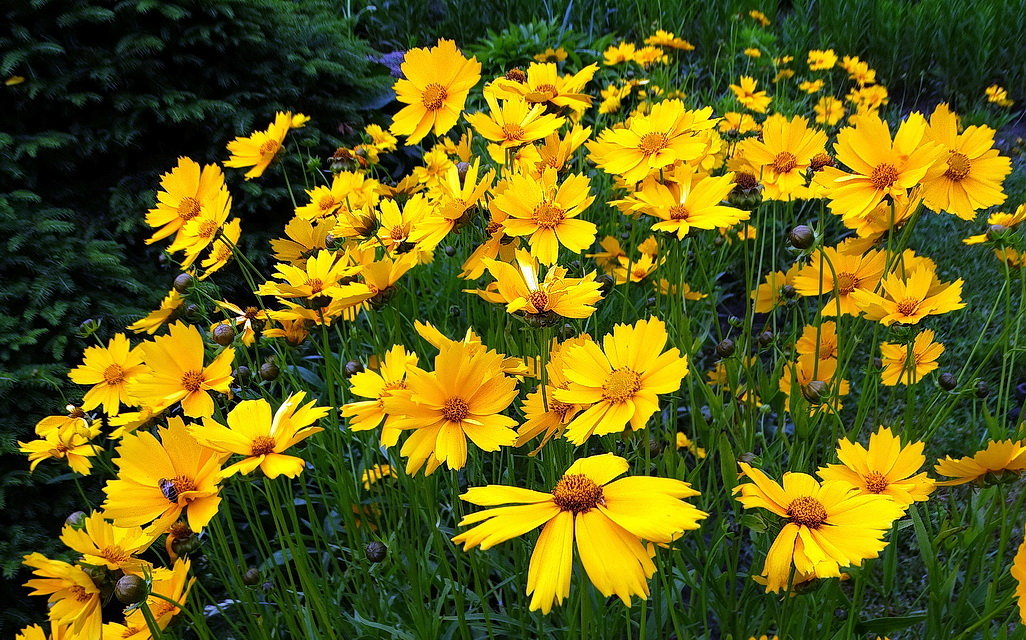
(353, 367)
(182, 282)
(251, 577)
(995, 231)
(765, 338)
(242, 373)
(76, 520)
(725, 348)
(814, 391)
(269, 371)
(606, 283)
(982, 389)
(375, 551)
(450, 250)
(223, 334)
(948, 381)
(130, 589)
(801, 237)
(788, 291)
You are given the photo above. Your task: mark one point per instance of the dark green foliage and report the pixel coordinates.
(113, 93)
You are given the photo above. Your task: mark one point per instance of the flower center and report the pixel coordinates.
(621, 385)
(559, 408)
(784, 162)
(516, 75)
(679, 212)
(80, 593)
(174, 487)
(807, 512)
(883, 176)
(192, 380)
(539, 300)
(326, 202)
(206, 229)
(577, 493)
(876, 482)
(653, 142)
(958, 166)
(908, 306)
(316, 285)
(513, 132)
(548, 215)
(455, 410)
(397, 233)
(114, 374)
(269, 148)
(188, 208)
(434, 96)
(251, 313)
(547, 89)
(846, 282)
(262, 446)
(115, 554)
(821, 160)
(745, 181)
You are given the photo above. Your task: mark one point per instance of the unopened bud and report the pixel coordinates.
(606, 283)
(224, 334)
(76, 520)
(375, 551)
(251, 577)
(948, 381)
(725, 348)
(130, 589)
(765, 338)
(269, 371)
(353, 367)
(450, 250)
(801, 237)
(182, 282)
(982, 389)
(242, 373)
(814, 391)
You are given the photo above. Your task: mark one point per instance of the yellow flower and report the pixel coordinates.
(797, 377)
(261, 147)
(175, 373)
(198, 233)
(1018, 572)
(435, 88)
(998, 96)
(886, 468)
(868, 100)
(157, 319)
(687, 200)
(907, 300)
(521, 291)
(818, 341)
(738, 123)
(185, 191)
(303, 239)
(173, 584)
(1000, 458)
(663, 38)
(621, 381)
(821, 60)
(753, 52)
(647, 143)
(858, 70)
(104, 545)
(514, 123)
(784, 152)
(1000, 219)
(608, 519)
(635, 270)
(684, 442)
(158, 480)
(223, 248)
(457, 196)
(543, 85)
(744, 91)
(251, 319)
(349, 191)
(462, 398)
(542, 412)
(325, 275)
(546, 210)
(835, 271)
(71, 443)
(375, 474)
(969, 179)
(811, 87)
(260, 438)
(829, 111)
(378, 385)
(74, 598)
(381, 139)
(558, 55)
(907, 364)
(770, 293)
(619, 53)
(828, 526)
(759, 17)
(109, 370)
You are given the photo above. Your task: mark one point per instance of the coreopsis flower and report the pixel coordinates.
(663, 38)
(858, 70)
(261, 147)
(629, 269)
(260, 438)
(770, 293)
(543, 85)
(907, 364)
(827, 526)
(687, 200)
(622, 380)
(519, 288)
(435, 86)
(746, 94)
(546, 211)
(542, 412)
(888, 216)
(970, 178)
(759, 17)
(176, 373)
(784, 152)
(829, 111)
(834, 270)
(381, 139)
(462, 398)
(647, 56)
(174, 585)
(879, 166)
(472, 341)
(686, 443)
(558, 55)
(999, 220)
(608, 519)
(514, 123)
(349, 191)
(223, 248)
(200, 232)
(109, 370)
(818, 341)
(294, 330)
(619, 53)
(910, 298)
(158, 480)
(1018, 572)
(458, 195)
(811, 86)
(250, 320)
(153, 321)
(820, 60)
(609, 257)
(303, 239)
(738, 124)
(556, 153)
(396, 225)
(325, 275)
(378, 385)
(887, 467)
(868, 100)
(104, 545)
(1000, 459)
(375, 474)
(72, 444)
(801, 377)
(184, 191)
(647, 143)
(74, 598)
(753, 52)
(998, 95)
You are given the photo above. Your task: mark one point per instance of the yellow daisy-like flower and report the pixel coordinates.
(835, 271)
(907, 300)
(104, 545)
(997, 220)
(687, 200)
(260, 438)
(828, 526)
(647, 143)
(970, 178)
(829, 111)
(435, 86)
(818, 341)
(622, 380)
(619, 53)
(322, 276)
(886, 468)
(250, 320)
(457, 196)
(185, 190)
(462, 398)
(1000, 458)
(821, 60)
(158, 480)
(261, 147)
(907, 364)
(608, 519)
(746, 94)
(737, 124)
(109, 370)
(200, 232)
(546, 210)
(174, 584)
(73, 597)
(542, 84)
(879, 165)
(175, 373)
(542, 412)
(784, 152)
(375, 474)
(72, 444)
(514, 123)
(663, 38)
(223, 248)
(520, 290)
(770, 293)
(302, 239)
(378, 385)
(161, 316)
